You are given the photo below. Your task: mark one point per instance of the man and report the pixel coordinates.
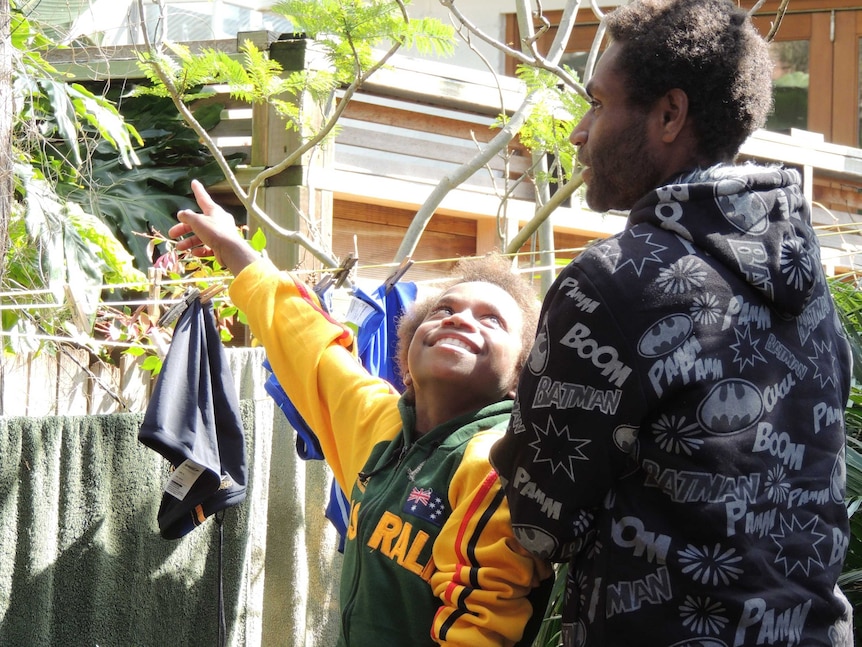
(678, 435)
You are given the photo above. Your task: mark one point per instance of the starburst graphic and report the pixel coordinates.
(635, 249)
(685, 275)
(746, 348)
(705, 308)
(804, 540)
(674, 436)
(795, 264)
(558, 448)
(577, 583)
(702, 615)
(775, 485)
(710, 566)
(823, 355)
(582, 523)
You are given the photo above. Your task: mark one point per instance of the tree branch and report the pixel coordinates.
(449, 182)
(536, 59)
(543, 212)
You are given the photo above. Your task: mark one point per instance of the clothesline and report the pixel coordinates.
(162, 281)
(83, 340)
(144, 286)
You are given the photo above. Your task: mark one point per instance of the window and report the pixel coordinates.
(789, 86)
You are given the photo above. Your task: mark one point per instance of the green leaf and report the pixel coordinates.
(152, 364)
(64, 116)
(102, 115)
(258, 240)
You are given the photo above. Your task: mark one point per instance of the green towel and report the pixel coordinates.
(81, 559)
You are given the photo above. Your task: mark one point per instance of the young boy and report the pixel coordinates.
(430, 557)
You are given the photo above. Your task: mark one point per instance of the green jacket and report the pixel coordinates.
(430, 556)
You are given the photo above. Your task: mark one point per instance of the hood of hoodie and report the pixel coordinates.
(753, 219)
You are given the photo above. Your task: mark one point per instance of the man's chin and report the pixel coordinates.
(596, 201)
(601, 202)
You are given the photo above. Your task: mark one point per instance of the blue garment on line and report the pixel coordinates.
(377, 338)
(376, 342)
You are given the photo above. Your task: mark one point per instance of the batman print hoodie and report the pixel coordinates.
(678, 434)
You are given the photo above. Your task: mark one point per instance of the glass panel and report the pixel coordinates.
(789, 86)
(577, 61)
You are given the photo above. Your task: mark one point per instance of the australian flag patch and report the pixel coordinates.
(426, 504)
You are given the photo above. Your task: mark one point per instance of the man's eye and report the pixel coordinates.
(594, 105)
(493, 320)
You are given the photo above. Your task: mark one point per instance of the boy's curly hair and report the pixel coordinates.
(709, 49)
(492, 269)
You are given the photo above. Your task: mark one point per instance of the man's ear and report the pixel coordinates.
(673, 107)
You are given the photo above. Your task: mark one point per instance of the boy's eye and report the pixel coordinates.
(595, 105)
(493, 320)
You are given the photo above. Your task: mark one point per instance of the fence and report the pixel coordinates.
(81, 562)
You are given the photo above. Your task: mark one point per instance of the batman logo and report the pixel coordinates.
(839, 478)
(625, 437)
(730, 407)
(742, 208)
(665, 335)
(538, 359)
(626, 440)
(536, 540)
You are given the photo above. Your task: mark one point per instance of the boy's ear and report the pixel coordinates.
(407, 380)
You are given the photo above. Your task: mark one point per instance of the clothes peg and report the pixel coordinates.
(173, 313)
(343, 272)
(396, 275)
(211, 292)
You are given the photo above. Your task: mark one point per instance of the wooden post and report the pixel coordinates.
(291, 198)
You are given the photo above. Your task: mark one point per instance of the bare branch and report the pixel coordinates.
(447, 183)
(248, 199)
(779, 17)
(292, 158)
(543, 212)
(564, 32)
(535, 60)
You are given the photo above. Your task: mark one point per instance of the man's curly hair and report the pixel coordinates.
(492, 269)
(709, 49)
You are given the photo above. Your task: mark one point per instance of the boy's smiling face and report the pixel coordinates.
(468, 345)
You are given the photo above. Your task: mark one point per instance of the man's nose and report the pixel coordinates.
(580, 133)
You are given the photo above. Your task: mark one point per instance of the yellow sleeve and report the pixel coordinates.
(483, 575)
(346, 407)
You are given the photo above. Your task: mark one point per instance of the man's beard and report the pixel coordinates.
(623, 172)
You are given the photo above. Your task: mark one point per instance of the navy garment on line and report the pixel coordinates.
(193, 420)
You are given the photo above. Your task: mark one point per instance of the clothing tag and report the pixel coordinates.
(183, 478)
(358, 312)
